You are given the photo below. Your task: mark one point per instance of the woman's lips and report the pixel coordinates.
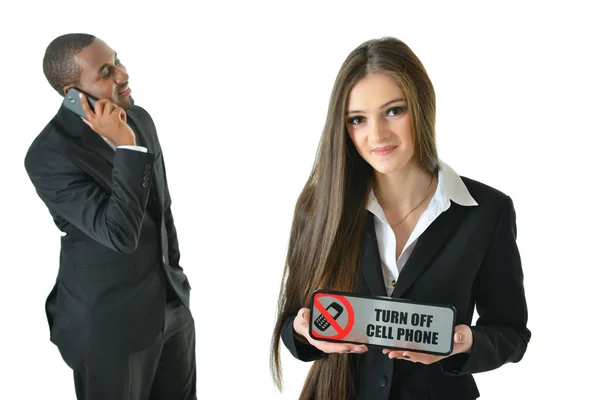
(384, 150)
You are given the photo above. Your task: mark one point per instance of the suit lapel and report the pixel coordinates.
(370, 263)
(428, 246)
(137, 126)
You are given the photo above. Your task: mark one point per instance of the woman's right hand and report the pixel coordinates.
(301, 327)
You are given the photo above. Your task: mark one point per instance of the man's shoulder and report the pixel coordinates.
(143, 118)
(50, 136)
(50, 144)
(140, 112)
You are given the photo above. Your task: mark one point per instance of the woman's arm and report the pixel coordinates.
(295, 336)
(296, 344)
(500, 334)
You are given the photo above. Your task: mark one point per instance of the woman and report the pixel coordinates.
(381, 215)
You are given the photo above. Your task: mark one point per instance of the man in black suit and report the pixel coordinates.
(119, 311)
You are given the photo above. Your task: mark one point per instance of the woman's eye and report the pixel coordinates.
(394, 111)
(355, 120)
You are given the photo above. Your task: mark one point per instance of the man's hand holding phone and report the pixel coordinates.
(108, 120)
(301, 326)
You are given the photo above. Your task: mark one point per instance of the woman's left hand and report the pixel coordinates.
(463, 340)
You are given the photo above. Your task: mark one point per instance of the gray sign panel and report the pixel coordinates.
(382, 321)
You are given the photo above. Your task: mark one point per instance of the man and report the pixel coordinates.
(119, 311)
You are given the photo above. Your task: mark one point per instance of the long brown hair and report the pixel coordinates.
(329, 219)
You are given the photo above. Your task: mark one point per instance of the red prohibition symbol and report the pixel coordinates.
(341, 332)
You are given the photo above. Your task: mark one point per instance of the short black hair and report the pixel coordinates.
(59, 61)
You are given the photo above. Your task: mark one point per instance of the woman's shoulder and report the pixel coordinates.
(485, 195)
(466, 191)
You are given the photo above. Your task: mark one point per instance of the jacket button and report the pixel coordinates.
(148, 166)
(383, 380)
(145, 184)
(146, 178)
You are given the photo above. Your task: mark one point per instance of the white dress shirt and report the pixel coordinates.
(137, 148)
(450, 188)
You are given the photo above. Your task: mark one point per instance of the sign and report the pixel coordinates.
(386, 322)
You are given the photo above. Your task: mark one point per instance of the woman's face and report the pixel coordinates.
(378, 123)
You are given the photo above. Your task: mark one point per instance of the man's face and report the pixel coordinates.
(102, 74)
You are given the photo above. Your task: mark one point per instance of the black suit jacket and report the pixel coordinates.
(120, 245)
(467, 257)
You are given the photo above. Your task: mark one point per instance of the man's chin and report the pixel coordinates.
(131, 101)
(127, 104)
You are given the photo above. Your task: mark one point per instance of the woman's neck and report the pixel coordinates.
(402, 189)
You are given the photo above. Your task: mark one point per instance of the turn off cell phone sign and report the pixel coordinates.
(382, 321)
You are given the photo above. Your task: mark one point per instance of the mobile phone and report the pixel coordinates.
(321, 322)
(72, 101)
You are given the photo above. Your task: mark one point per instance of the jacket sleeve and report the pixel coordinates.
(114, 218)
(500, 334)
(300, 349)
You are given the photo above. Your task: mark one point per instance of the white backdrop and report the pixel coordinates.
(239, 94)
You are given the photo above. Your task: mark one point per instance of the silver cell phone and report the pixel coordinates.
(72, 101)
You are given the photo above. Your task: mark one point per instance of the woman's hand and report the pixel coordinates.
(301, 327)
(463, 341)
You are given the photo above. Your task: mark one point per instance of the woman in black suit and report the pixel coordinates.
(382, 215)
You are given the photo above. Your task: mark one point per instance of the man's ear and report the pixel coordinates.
(67, 88)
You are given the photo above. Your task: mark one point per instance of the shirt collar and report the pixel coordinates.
(450, 188)
(456, 190)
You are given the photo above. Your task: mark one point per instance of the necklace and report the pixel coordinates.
(417, 206)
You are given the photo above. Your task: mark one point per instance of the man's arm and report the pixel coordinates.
(114, 218)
